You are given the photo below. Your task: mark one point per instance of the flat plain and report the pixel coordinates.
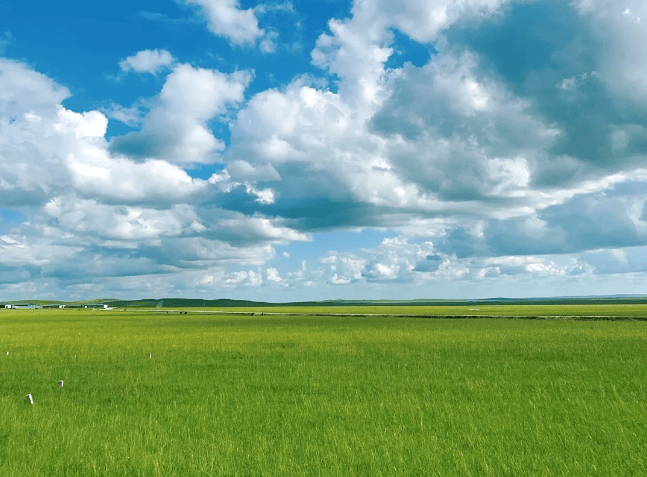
(315, 393)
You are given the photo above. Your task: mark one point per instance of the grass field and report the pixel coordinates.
(473, 311)
(274, 395)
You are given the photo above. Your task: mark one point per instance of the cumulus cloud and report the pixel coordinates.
(20, 250)
(357, 48)
(268, 43)
(272, 275)
(343, 268)
(96, 214)
(119, 222)
(396, 259)
(119, 179)
(24, 90)
(587, 222)
(489, 162)
(176, 128)
(424, 21)
(398, 262)
(388, 140)
(255, 229)
(452, 138)
(616, 260)
(34, 139)
(48, 147)
(243, 278)
(460, 134)
(226, 18)
(319, 147)
(131, 116)
(242, 171)
(624, 30)
(147, 61)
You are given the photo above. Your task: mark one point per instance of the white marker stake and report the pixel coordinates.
(7, 353)
(60, 384)
(150, 355)
(29, 398)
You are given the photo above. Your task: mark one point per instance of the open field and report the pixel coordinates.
(282, 395)
(621, 311)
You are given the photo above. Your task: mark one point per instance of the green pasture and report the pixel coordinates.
(624, 311)
(282, 395)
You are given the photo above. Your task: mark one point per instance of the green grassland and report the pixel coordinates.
(617, 311)
(311, 395)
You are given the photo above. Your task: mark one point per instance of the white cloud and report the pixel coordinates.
(631, 15)
(66, 147)
(147, 61)
(457, 132)
(622, 60)
(460, 143)
(131, 116)
(320, 140)
(265, 8)
(46, 149)
(272, 275)
(357, 48)
(34, 135)
(226, 18)
(206, 252)
(121, 222)
(574, 82)
(242, 171)
(21, 250)
(24, 89)
(320, 143)
(616, 261)
(243, 278)
(100, 175)
(344, 268)
(176, 128)
(268, 43)
(261, 229)
(466, 163)
(397, 259)
(337, 280)
(423, 20)
(88, 205)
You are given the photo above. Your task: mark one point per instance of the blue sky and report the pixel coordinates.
(299, 150)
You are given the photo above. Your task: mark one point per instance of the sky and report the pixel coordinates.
(299, 150)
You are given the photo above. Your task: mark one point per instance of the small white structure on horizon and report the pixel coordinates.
(23, 306)
(30, 306)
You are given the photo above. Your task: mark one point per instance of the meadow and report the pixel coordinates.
(616, 311)
(148, 393)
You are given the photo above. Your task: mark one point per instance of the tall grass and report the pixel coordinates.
(319, 396)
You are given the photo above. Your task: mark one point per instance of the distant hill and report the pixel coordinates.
(224, 302)
(227, 303)
(60, 302)
(186, 302)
